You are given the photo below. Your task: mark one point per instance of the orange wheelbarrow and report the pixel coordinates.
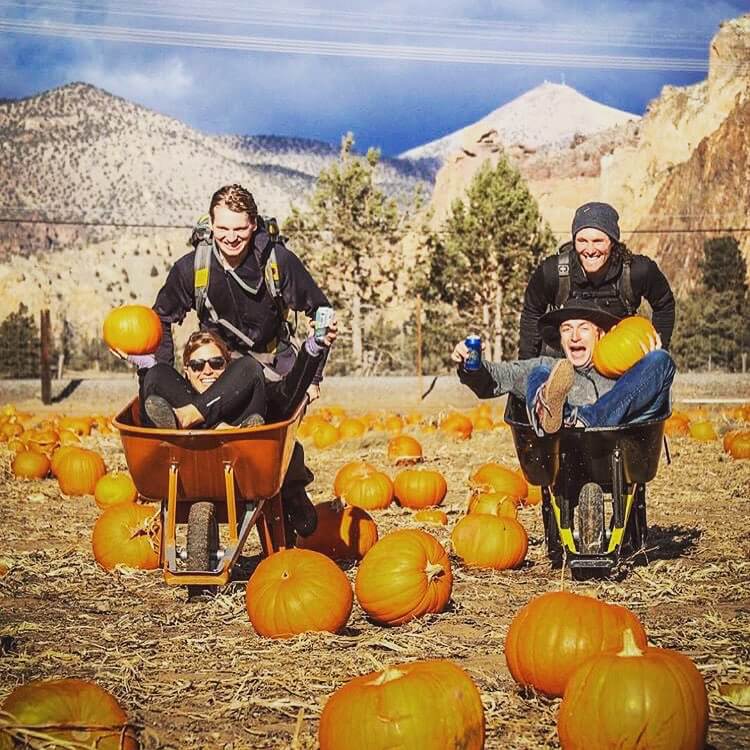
(207, 477)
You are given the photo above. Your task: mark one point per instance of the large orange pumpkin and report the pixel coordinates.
(133, 329)
(487, 541)
(78, 471)
(373, 491)
(30, 465)
(624, 345)
(405, 575)
(115, 488)
(295, 591)
(127, 534)
(552, 635)
(404, 449)
(342, 533)
(639, 697)
(423, 705)
(419, 488)
(501, 479)
(78, 703)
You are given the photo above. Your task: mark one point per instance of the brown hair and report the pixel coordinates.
(235, 198)
(201, 338)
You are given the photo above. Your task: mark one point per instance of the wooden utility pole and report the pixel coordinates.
(419, 344)
(44, 363)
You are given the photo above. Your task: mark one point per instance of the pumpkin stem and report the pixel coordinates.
(433, 570)
(387, 675)
(629, 646)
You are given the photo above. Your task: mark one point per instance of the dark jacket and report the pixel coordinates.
(647, 282)
(257, 316)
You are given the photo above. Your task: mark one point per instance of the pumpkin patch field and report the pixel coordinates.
(405, 622)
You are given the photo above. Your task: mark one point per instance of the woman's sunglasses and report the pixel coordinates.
(197, 365)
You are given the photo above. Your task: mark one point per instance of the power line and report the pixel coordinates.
(260, 13)
(129, 225)
(374, 24)
(350, 49)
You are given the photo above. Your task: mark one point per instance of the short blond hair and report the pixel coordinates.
(235, 198)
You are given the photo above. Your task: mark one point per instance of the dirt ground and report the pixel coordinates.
(195, 675)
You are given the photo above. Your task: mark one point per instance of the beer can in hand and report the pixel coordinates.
(473, 360)
(323, 319)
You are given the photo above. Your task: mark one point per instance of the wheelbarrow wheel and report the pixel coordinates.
(591, 519)
(202, 544)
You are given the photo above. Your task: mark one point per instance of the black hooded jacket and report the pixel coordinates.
(646, 280)
(256, 315)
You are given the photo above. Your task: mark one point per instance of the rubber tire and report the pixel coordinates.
(591, 534)
(202, 544)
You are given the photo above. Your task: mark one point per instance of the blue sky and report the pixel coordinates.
(397, 74)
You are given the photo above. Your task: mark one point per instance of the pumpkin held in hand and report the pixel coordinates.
(637, 697)
(295, 591)
(133, 329)
(552, 635)
(405, 575)
(98, 719)
(429, 705)
(623, 345)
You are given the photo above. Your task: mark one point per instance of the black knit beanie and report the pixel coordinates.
(598, 216)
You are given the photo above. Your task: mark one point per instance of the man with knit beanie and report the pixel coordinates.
(595, 265)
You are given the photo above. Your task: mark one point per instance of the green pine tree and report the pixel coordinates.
(711, 327)
(492, 241)
(19, 355)
(349, 238)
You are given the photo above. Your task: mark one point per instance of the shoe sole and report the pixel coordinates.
(556, 390)
(160, 413)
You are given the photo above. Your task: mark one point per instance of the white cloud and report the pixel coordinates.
(162, 80)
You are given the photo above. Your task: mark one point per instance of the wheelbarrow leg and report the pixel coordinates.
(271, 526)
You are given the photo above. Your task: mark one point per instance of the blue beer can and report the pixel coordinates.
(474, 359)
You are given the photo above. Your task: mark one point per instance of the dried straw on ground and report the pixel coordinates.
(195, 675)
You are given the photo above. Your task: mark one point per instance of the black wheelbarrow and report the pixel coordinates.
(593, 487)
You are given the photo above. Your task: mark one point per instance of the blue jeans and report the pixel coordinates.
(642, 393)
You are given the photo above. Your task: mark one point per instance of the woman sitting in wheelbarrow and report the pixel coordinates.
(221, 392)
(570, 392)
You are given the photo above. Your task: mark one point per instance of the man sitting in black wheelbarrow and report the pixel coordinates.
(570, 392)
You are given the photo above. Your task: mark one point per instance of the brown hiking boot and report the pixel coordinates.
(551, 399)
